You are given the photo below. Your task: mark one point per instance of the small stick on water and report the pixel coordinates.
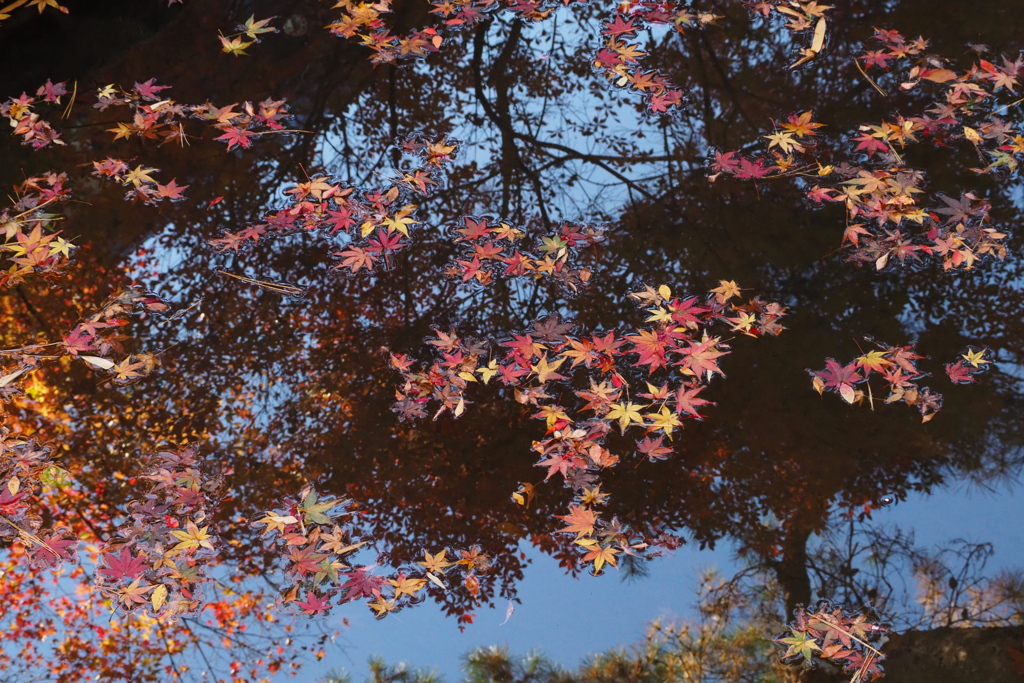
(183, 312)
(870, 80)
(290, 290)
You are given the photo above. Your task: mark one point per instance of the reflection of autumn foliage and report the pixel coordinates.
(289, 400)
(315, 538)
(54, 630)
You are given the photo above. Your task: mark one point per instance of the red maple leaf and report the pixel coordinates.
(840, 378)
(51, 92)
(382, 242)
(355, 259)
(510, 373)
(687, 399)
(685, 312)
(959, 373)
(725, 162)
(619, 27)
(78, 340)
(749, 169)
(559, 463)
(581, 521)
(662, 101)
(474, 230)
(653, 449)
(314, 604)
(236, 136)
(651, 347)
(150, 90)
(171, 190)
(121, 565)
(608, 58)
(877, 58)
(871, 145)
(339, 220)
(361, 584)
(10, 503)
(701, 357)
(55, 550)
(819, 194)
(525, 349)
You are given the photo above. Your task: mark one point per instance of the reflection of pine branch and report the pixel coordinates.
(633, 569)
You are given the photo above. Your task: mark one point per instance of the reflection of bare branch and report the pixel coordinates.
(170, 654)
(857, 565)
(592, 158)
(500, 113)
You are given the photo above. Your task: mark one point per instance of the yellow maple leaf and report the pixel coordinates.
(600, 555)
(192, 538)
(664, 420)
(435, 563)
(974, 357)
(235, 46)
(626, 413)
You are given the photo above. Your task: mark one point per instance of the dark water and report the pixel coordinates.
(285, 388)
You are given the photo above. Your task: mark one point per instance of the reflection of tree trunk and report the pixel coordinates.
(791, 569)
(791, 573)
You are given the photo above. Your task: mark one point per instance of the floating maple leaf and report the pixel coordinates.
(121, 565)
(838, 377)
(314, 604)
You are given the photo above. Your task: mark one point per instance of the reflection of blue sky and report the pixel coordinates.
(569, 618)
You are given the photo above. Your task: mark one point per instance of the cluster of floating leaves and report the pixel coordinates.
(617, 59)
(491, 247)
(675, 353)
(831, 633)
(314, 537)
(890, 217)
(378, 221)
(897, 366)
(28, 123)
(972, 361)
(96, 341)
(160, 557)
(31, 245)
(27, 469)
(155, 117)
(158, 561)
(143, 187)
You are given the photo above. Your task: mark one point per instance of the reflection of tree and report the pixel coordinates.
(288, 391)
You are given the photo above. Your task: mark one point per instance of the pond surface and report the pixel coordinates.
(287, 362)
